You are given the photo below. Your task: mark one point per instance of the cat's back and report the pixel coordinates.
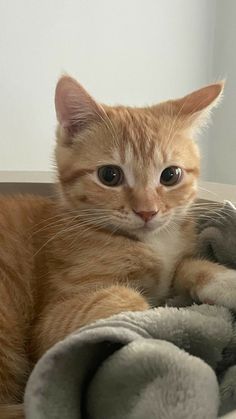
(19, 216)
(19, 213)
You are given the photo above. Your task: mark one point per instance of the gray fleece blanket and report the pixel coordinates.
(165, 363)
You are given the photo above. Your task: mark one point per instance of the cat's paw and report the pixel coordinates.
(220, 290)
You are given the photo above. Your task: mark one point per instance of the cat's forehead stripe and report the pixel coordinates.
(137, 171)
(70, 176)
(136, 133)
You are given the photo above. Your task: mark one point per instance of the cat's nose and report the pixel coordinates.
(146, 215)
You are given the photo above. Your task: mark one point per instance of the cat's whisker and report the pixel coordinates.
(60, 215)
(54, 224)
(208, 191)
(79, 234)
(90, 221)
(209, 209)
(199, 217)
(105, 244)
(203, 212)
(206, 204)
(72, 229)
(79, 215)
(64, 215)
(206, 209)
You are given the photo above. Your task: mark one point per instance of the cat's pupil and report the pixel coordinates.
(110, 175)
(171, 176)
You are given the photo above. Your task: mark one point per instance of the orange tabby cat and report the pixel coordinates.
(118, 236)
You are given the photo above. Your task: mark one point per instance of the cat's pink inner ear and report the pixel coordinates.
(75, 108)
(200, 100)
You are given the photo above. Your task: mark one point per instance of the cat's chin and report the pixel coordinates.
(150, 229)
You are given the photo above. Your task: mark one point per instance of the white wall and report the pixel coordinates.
(222, 135)
(132, 52)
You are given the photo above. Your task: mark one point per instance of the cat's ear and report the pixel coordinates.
(195, 108)
(75, 108)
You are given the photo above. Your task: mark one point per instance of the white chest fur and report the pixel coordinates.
(170, 247)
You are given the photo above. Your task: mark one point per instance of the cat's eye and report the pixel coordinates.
(111, 175)
(171, 176)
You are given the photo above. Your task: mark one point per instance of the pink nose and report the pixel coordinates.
(146, 215)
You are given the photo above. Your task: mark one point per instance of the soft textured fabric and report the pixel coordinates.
(217, 234)
(165, 363)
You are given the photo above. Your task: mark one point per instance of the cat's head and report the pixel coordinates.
(130, 169)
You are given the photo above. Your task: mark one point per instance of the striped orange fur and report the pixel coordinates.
(90, 252)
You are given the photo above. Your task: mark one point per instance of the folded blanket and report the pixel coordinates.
(217, 234)
(165, 363)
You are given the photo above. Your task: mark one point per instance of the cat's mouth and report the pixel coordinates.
(151, 227)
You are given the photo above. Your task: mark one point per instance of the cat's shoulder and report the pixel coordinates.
(23, 207)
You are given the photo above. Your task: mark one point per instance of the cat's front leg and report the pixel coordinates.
(206, 282)
(60, 319)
